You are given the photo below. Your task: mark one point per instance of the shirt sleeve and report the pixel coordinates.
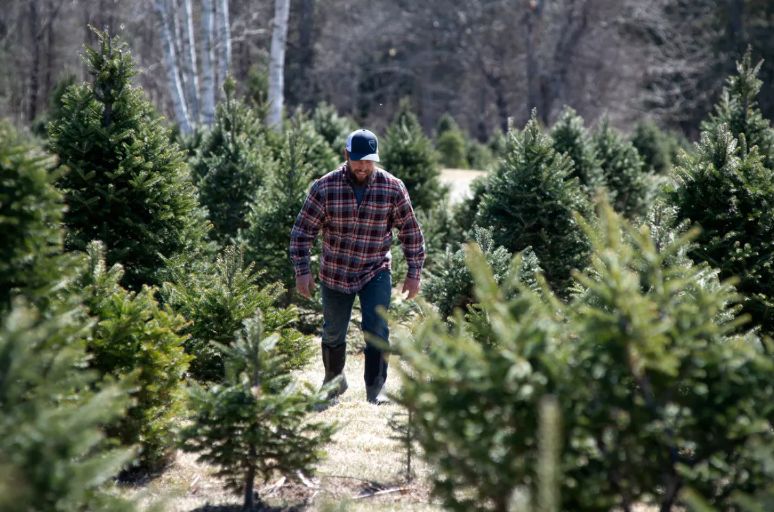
(409, 233)
(305, 229)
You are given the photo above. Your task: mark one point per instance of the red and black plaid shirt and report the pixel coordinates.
(356, 239)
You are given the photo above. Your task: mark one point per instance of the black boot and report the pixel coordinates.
(333, 360)
(375, 375)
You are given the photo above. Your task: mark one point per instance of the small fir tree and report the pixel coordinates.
(408, 154)
(571, 138)
(314, 150)
(256, 423)
(728, 192)
(464, 213)
(31, 210)
(333, 128)
(134, 336)
(738, 109)
(529, 202)
(623, 171)
(53, 452)
(450, 143)
(658, 149)
(217, 299)
(230, 165)
(126, 185)
(275, 207)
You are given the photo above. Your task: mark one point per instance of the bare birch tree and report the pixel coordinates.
(171, 64)
(224, 41)
(208, 71)
(279, 35)
(188, 53)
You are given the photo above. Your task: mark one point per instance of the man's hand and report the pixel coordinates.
(305, 285)
(412, 287)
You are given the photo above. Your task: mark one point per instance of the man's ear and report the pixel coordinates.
(346, 155)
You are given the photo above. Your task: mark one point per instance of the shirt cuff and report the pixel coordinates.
(302, 269)
(414, 272)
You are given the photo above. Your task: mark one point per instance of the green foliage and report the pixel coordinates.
(728, 192)
(479, 156)
(127, 185)
(450, 286)
(53, 455)
(658, 149)
(738, 109)
(622, 170)
(570, 137)
(313, 149)
(333, 128)
(439, 230)
(230, 166)
(667, 392)
(408, 154)
(217, 299)
(136, 337)
(529, 202)
(255, 424)
(450, 143)
(31, 210)
(464, 213)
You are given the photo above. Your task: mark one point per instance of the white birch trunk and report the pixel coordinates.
(279, 35)
(208, 71)
(173, 73)
(224, 42)
(189, 61)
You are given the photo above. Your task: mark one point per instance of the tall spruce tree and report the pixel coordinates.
(571, 137)
(31, 209)
(126, 185)
(408, 154)
(623, 171)
(230, 165)
(136, 338)
(256, 423)
(53, 451)
(529, 202)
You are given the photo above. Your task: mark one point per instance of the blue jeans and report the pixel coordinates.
(337, 310)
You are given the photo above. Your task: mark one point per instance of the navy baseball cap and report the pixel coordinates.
(362, 145)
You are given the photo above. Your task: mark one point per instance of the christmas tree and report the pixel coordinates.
(255, 424)
(570, 137)
(126, 185)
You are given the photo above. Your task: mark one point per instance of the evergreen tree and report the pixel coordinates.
(409, 155)
(136, 337)
(622, 170)
(274, 209)
(652, 388)
(332, 127)
(658, 149)
(31, 210)
(256, 423)
(728, 192)
(230, 165)
(450, 143)
(314, 150)
(217, 299)
(571, 138)
(738, 109)
(529, 202)
(127, 185)
(53, 453)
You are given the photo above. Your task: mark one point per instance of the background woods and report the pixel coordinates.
(482, 61)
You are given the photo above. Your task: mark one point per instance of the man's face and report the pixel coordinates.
(360, 169)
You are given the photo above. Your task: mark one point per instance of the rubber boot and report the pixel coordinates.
(333, 361)
(375, 376)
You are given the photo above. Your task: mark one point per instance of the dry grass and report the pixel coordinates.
(362, 460)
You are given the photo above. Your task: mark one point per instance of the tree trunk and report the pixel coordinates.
(34, 19)
(190, 71)
(532, 18)
(224, 41)
(306, 23)
(170, 63)
(279, 35)
(208, 72)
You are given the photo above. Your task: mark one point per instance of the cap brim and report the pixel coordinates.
(374, 157)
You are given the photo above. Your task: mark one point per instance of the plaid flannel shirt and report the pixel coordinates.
(356, 240)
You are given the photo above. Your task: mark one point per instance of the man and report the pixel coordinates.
(356, 206)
